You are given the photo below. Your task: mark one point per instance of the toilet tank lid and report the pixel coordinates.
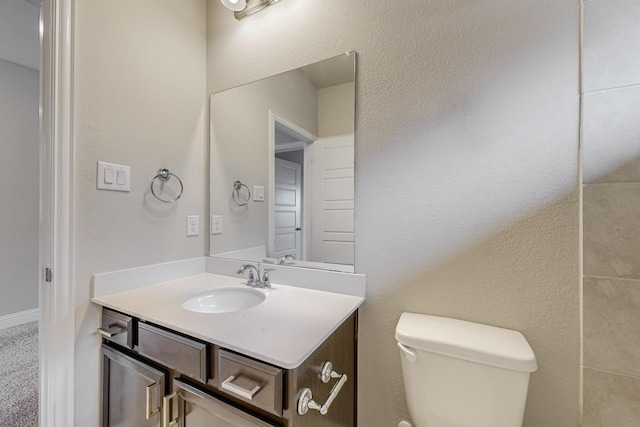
(470, 341)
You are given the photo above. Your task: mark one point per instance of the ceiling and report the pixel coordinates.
(19, 23)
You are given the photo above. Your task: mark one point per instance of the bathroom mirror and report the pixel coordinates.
(282, 168)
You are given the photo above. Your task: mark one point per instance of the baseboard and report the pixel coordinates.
(16, 319)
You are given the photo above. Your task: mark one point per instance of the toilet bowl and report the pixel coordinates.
(463, 374)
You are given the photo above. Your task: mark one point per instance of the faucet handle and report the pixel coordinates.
(287, 259)
(266, 280)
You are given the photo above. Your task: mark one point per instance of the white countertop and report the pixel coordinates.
(283, 330)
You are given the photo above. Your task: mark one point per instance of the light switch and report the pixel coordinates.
(113, 177)
(108, 176)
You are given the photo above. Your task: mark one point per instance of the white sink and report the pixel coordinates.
(222, 300)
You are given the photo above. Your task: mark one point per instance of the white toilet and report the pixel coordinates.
(463, 374)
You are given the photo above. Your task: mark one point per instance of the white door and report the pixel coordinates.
(332, 205)
(287, 209)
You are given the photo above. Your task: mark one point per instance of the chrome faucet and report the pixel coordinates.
(287, 259)
(254, 275)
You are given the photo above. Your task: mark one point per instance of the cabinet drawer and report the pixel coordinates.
(186, 355)
(251, 381)
(117, 328)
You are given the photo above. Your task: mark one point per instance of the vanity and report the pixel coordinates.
(190, 344)
(287, 360)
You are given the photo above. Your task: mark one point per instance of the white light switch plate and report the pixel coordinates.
(113, 177)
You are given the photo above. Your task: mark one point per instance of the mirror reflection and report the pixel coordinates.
(282, 168)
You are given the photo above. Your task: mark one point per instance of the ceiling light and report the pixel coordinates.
(235, 5)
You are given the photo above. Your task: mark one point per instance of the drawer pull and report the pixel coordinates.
(111, 331)
(151, 412)
(167, 410)
(240, 391)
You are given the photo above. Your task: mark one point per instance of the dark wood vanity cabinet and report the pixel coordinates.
(178, 380)
(340, 350)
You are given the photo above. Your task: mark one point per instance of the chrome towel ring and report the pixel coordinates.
(164, 175)
(235, 194)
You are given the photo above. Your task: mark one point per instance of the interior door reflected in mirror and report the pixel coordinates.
(290, 139)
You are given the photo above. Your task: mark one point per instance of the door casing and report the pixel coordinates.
(57, 326)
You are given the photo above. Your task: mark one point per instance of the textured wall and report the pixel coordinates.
(466, 169)
(611, 165)
(19, 163)
(140, 100)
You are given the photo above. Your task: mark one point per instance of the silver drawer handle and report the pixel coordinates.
(240, 391)
(151, 412)
(167, 410)
(110, 331)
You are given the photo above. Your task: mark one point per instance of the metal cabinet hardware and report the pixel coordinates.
(240, 391)
(150, 412)
(112, 330)
(306, 402)
(166, 411)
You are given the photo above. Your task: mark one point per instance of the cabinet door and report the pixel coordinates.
(192, 407)
(132, 391)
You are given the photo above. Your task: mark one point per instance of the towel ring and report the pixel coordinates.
(235, 194)
(164, 175)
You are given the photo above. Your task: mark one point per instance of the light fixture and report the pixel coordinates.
(235, 5)
(243, 8)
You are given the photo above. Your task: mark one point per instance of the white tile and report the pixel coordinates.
(611, 135)
(611, 39)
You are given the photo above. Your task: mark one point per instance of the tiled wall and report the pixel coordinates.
(611, 173)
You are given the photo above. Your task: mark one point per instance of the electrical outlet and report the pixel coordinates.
(258, 193)
(216, 224)
(193, 225)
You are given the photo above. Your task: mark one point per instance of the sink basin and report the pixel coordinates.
(223, 300)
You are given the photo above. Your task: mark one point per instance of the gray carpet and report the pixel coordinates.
(19, 376)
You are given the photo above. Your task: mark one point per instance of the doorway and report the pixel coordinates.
(289, 222)
(19, 218)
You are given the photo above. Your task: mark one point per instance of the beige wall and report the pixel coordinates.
(611, 159)
(240, 151)
(19, 165)
(335, 110)
(466, 169)
(140, 100)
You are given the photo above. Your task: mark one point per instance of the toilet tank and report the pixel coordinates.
(463, 374)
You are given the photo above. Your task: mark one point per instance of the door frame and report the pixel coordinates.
(57, 325)
(277, 119)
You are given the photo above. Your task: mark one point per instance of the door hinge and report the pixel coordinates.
(47, 275)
